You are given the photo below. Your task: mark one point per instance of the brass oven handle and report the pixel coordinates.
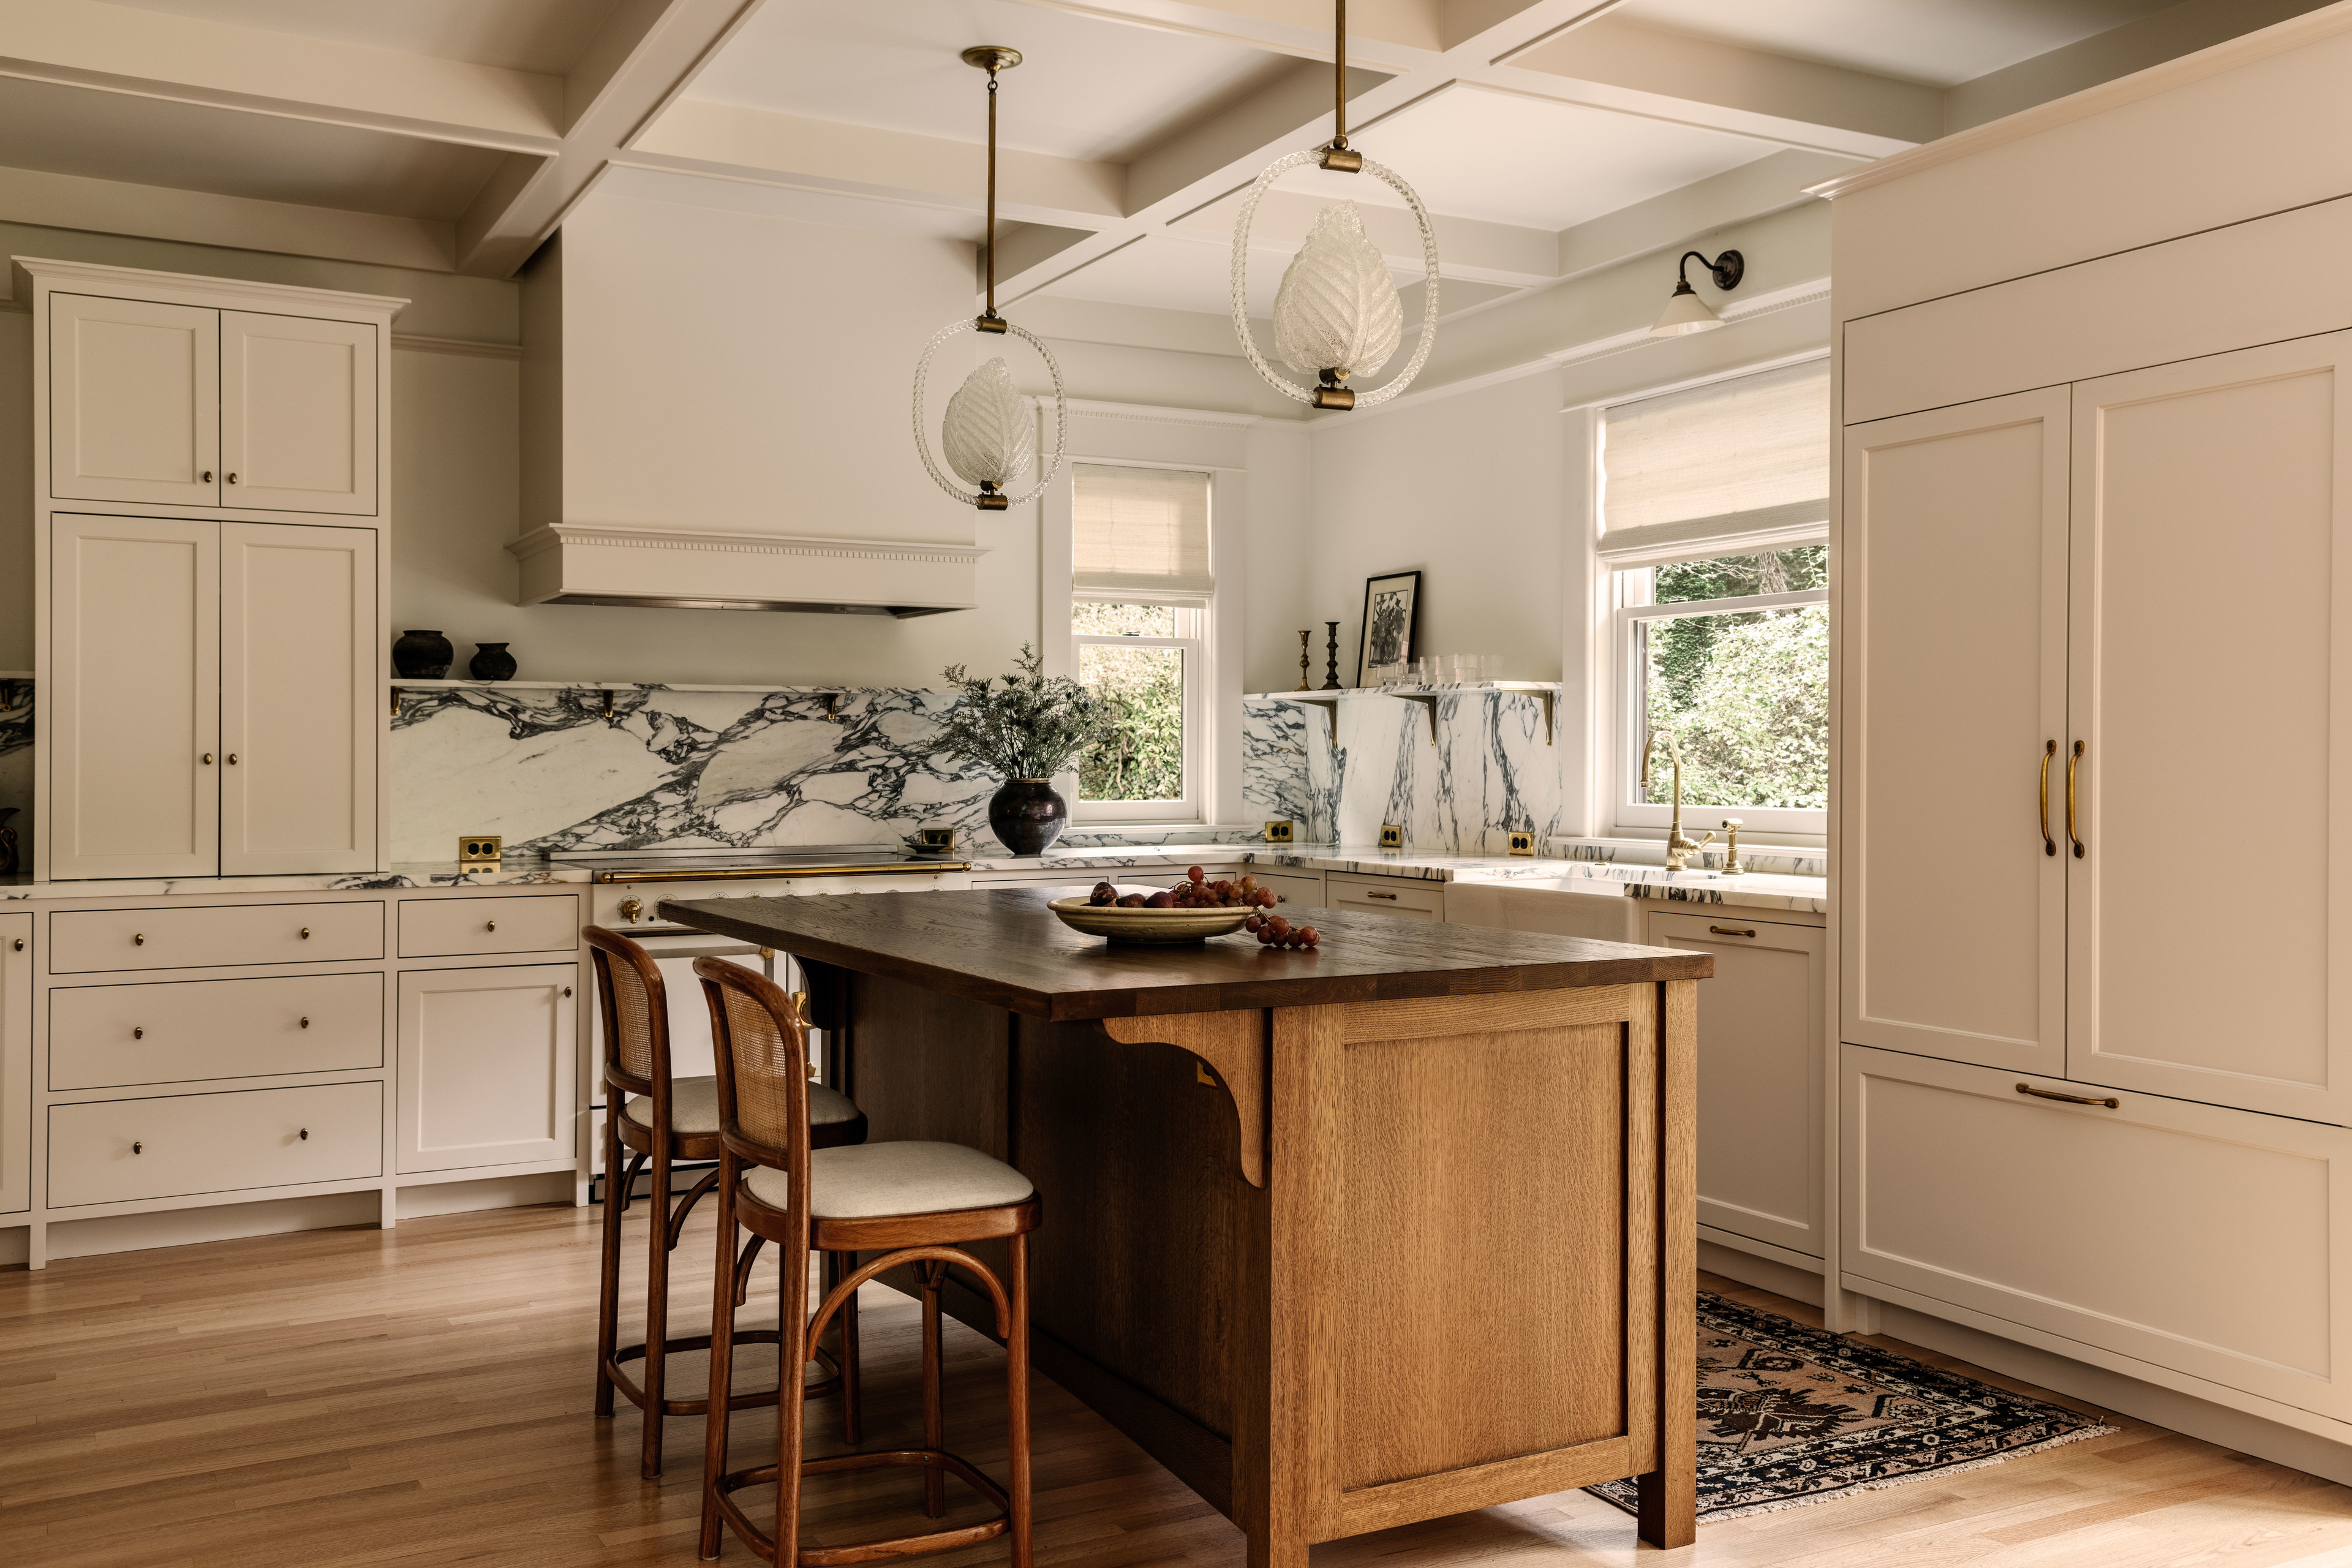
(2110, 1102)
(2072, 762)
(1729, 930)
(2049, 845)
(1389, 897)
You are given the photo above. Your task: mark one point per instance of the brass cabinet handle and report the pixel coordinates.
(306, 1022)
(1729, 930)
(137, 1033)
(1389, 897)
(2110, 1102)
(2072, 762)
(2049, 845)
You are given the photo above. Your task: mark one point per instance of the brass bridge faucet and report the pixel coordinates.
(1679, 845)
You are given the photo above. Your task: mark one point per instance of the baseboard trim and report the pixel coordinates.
(1764, 1273)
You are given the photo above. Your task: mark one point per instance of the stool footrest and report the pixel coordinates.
(635, 1392)
(867, 1551)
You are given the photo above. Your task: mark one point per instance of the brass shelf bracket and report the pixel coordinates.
(1330, 706)
(833, 706)
(1428, 701)
(1549, 698)
(395, 701)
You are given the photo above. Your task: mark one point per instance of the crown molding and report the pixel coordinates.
(44, 272)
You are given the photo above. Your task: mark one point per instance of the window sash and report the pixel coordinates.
(1190, 640)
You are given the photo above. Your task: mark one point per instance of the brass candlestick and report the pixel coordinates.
(1302, 660)
(1331, 658)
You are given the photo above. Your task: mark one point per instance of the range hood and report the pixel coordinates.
(664, 568)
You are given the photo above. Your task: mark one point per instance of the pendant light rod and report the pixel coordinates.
(992, 58)
(1339, 156)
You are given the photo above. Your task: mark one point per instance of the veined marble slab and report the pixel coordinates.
(1778, 860)
(1753, 889)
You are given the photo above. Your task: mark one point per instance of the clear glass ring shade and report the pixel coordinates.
(988, 433)
(1336, 296)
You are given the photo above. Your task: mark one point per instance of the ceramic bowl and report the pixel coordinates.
(1159, 927)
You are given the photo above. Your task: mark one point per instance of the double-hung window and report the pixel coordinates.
(1142, 591)
(1714, 502)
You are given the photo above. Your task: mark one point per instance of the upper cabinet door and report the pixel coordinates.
(2213, 680)
(297, 423)
(132, 706)
(1952, 577)
(134, 402)
(300, 715)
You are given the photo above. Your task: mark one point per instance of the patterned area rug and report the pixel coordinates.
(1790, 1415)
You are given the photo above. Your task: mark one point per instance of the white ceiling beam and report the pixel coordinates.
(731, 142)
(1468, 247)
(235, 223)
(152, 54)
(1678, 217)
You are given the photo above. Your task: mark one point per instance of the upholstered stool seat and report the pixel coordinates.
(913, 1206)
(694, 1107)
(661, 1121)
(880, 1179)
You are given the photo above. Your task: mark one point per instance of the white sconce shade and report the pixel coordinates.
(1337, 309)
(1686, 313)
(989, 437)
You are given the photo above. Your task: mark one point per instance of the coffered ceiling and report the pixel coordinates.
(1548, 137)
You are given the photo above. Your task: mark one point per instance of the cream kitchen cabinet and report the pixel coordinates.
(16, 1063)
(488, 1065)
(1409, 898)
(1306, 889)
(1760, 1023)
(2151, 1235)
(179, 405)
(210, 706)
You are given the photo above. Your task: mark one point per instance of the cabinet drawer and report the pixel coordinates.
(2207, 1241)
(174, 1031)
(1386, 896)
(208, 936)
(453, 928)
(112, 1151)
(1293, 887)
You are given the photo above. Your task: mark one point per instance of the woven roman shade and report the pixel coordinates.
(1732, 467)
(1140, 530)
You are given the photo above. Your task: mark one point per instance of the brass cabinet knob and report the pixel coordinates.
(232, 478)
(138, 939)
(20, 944)
(232, 759)
(567, 991)
(306, 1022)
(206, 475)
(306, 934)
(306, 1134)
(492, 926)
(137, 1147)
(206, 759)
(138, 1033)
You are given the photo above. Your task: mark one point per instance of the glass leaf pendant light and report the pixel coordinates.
(989, 434)
(1337, 315)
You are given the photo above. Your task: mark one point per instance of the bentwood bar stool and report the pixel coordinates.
(912, 1204)
(661, 1121)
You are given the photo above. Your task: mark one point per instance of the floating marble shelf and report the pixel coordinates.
(1546, 691)
(831, 694)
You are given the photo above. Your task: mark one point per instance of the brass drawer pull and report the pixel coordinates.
(306, 1134)
(1389, 897)
(138, 939)
(306, 1022)
(2049, 845)
(492, 926)
(1729, 930)
(306, 934)
(2110, 1102)
(137, 1033)
(137, 1147)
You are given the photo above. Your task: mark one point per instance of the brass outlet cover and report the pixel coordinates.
(935, 838)
(1391, 835)
(1522, 843)
(1277, 832)
(480, 850)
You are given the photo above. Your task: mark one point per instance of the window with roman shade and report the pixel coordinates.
(1139, 531)
(1734, 466)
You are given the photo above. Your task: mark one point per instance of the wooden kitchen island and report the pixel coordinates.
(1396, 1228)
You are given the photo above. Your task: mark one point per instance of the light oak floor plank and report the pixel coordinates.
(374, 1399)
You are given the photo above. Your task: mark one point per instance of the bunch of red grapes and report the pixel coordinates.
(1197, 892)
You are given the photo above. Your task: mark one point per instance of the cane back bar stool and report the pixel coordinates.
(660, 1121)
(913, 1204)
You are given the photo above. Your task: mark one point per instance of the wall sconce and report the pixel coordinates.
(1686, 311)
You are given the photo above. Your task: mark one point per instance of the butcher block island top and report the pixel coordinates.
(1401, 1226)
(1006, 949)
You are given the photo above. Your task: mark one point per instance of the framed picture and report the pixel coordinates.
(1391, 605)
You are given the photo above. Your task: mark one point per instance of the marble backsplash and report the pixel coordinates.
(1490, 768)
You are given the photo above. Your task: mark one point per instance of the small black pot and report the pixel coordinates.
(1028, 814)
(421, 655)
(492, 662)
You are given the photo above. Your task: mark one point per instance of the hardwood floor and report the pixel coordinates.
(423, 1395)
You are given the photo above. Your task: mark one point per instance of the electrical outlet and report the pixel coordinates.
(1522, 843)
(1277, 833)
(480, 850)
(938, 838)
(1391, 835)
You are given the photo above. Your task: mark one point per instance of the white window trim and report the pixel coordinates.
(1213, 766)
(1633, 818)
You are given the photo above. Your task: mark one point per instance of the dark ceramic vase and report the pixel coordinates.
(421, 655)
(1028, 814)
(492, 662)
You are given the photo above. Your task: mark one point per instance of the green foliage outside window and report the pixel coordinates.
(1143, 757)
(1747, 695)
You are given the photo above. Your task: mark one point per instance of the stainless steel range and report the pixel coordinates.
(799, 860)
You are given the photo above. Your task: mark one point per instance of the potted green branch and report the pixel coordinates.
(1026, 727)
